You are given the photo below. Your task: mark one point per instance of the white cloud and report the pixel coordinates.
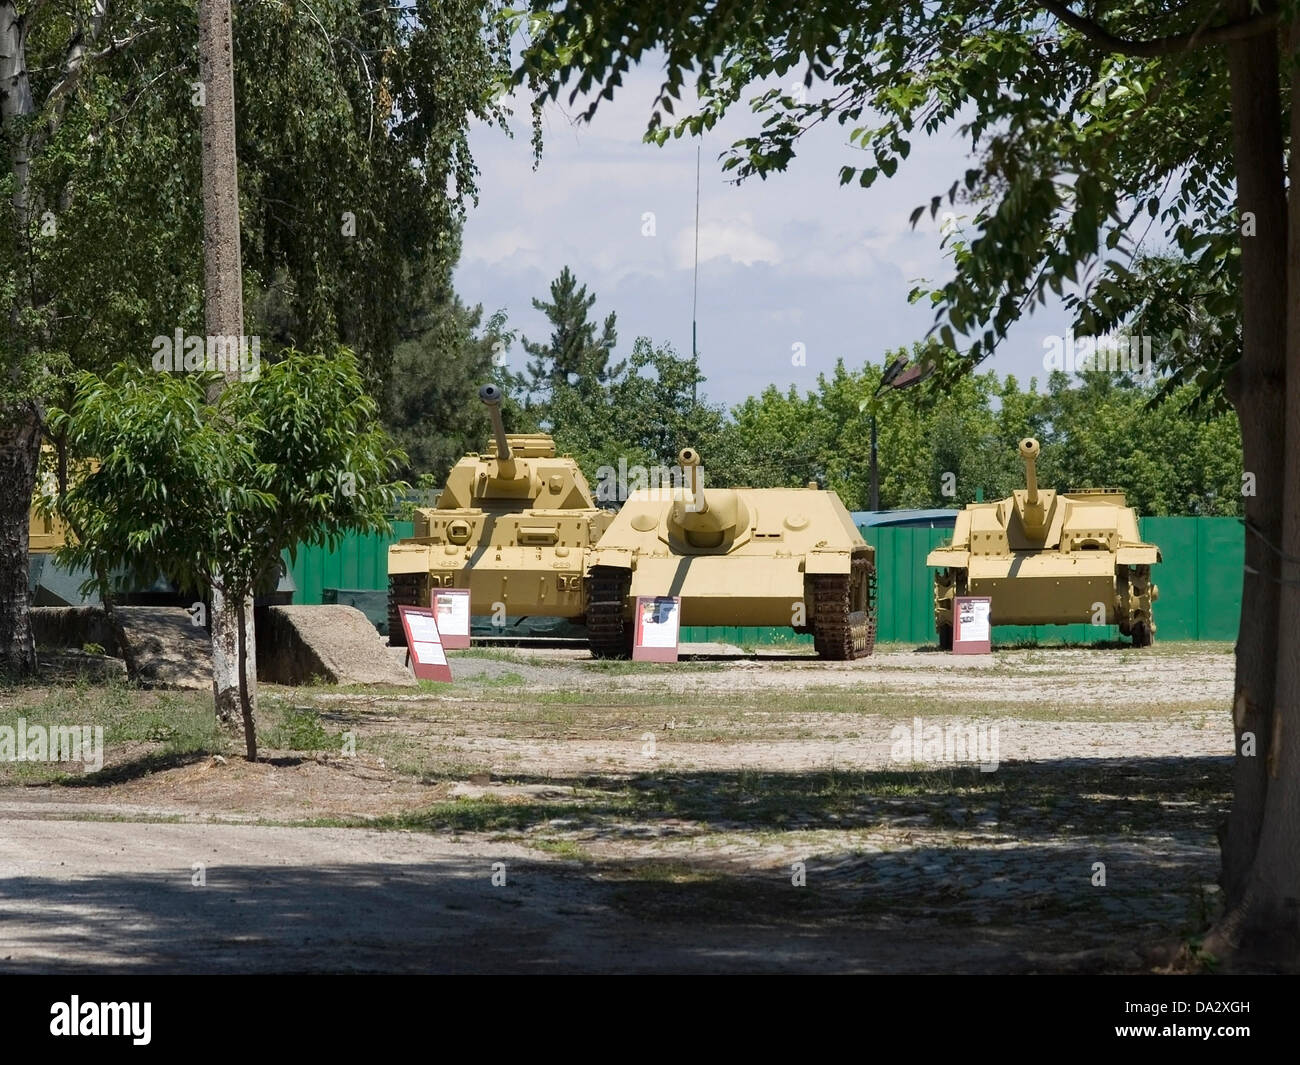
(796, 258)
(738, 240)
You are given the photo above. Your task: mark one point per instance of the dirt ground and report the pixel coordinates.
(1046, 809)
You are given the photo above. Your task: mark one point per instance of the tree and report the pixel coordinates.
(655, 414)
(31, 109)
(574, 352)
(233, 638)
(445, 352)
(1088, 132)
(212, 493)
(778, 439)
(433, 410)
(354, 167)
(943, 450)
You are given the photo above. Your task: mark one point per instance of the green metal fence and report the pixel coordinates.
(1199, 581)
(357, 562)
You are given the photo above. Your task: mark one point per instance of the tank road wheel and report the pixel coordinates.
(865, 601)
(948, 584)
(404, 589)
(844, 616)
(1136, 593)
(608, 634)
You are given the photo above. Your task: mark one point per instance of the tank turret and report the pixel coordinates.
(703, 521)
(1034, 506)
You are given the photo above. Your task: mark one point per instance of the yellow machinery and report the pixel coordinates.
(1045, 558)
(45, 532)
(49, 584)
(783, 557)
(514, 526)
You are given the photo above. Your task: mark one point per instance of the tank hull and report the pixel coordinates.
(508, 580)
(1030, 589)
(763, 591)
(767, 557)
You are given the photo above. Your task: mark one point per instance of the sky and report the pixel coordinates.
(793, 260)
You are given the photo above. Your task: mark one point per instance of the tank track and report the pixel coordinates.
(1135, 595)
(404, 589)
(840, 633)
(948, 584)
(608, 634)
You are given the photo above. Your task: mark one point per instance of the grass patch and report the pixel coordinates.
(173, 724)
(1021, 800)
(480, 815)
(567, 849)
(298, 728)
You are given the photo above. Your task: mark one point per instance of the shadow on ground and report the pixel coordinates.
(933, 871)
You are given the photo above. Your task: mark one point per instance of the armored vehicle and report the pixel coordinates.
(1045, 558)
(512, 525)
(785, 557)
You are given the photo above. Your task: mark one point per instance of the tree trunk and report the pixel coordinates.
(224, 307)
(20, 448)
(16, 104)
(245, 703)
(20, 436)
(114, 620)
(1261, 390)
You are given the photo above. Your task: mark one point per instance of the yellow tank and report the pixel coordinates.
(45, 531)
(780, 557)
(1045, 558)
(513, 525)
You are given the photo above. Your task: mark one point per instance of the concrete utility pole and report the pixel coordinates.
(223, 297)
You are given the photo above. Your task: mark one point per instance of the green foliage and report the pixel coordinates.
(212, 494)
(1084, 156)
(1096, 430)
(1104, 432)
(354, 169)
(644, 414)
(574, 354)
(446, 351)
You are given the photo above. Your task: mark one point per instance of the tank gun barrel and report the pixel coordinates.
(696, 502)
(1029, 450)
(491, 397)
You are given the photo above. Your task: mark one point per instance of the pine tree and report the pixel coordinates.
(446, 350)
(574, 352)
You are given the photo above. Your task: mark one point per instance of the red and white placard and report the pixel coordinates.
(428, 658)
(658, 628)
(972, 629)
(451, 606)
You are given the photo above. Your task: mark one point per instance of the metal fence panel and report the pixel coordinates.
(1199, 581)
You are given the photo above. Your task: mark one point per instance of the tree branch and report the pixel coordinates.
(1181, 42)
(78, 60)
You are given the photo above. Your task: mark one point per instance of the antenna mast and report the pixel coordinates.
(695, 288)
